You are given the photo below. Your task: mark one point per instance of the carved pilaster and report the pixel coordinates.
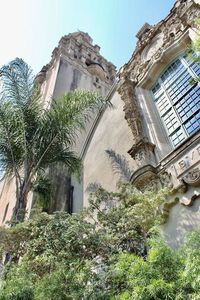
(142, 150)
(131, 109)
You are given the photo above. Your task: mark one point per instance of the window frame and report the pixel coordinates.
(186, 65)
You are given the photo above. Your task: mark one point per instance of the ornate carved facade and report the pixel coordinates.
(154, 123)
(157, 45)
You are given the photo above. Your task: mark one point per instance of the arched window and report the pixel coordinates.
(178, 100)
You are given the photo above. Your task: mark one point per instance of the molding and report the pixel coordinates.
(147, 178)
(182, 16)
(177, 153)
(141, 149)
(77, 44)
(143, 152)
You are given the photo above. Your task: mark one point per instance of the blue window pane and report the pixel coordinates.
(177, 137)
(193, 124)
(196, 69)
(178, 100)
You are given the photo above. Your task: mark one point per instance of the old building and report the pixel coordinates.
(154, 123)
(75, 63)
(161, 109)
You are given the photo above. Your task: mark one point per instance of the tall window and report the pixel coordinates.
(177, 100)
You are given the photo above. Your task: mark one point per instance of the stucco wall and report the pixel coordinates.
(111, 132)
(7, 199)
(153, 126)
(182, 219)
(71, 75)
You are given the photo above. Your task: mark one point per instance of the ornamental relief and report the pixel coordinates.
(143, 152)
(192, 177)
(152, 44)
(131, 109)
(154, 183)
(151, 49)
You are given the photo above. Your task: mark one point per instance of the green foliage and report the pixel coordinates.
(33, 137)
(127, 216)
(109, 252)
(196, 44)
(42, 188)
(19, 283)
(194, 50)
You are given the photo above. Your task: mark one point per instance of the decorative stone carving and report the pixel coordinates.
(131, 109)
(166, 179)
(142, 152)
(78, 47)
(143, 176)
(96, 70)
(152, 48)
(192, 15)
(147, 179)
(145, 28)
(181, 17)
(192, 177)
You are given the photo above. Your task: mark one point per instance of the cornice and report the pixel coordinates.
(181, 17)
(61, 50)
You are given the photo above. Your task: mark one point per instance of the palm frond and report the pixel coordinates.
(32, 138)
(11, 138)
(17, 81)
(20, 109)
(64, 121)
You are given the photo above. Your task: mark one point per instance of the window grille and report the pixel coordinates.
(178, 100)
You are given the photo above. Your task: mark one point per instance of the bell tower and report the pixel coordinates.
(75, 64)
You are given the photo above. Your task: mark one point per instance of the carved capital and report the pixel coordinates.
(142, 152)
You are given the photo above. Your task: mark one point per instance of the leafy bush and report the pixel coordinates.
(109, 252)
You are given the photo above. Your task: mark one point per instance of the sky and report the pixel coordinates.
(31, 29)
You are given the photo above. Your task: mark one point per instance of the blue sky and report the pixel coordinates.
(31, 29)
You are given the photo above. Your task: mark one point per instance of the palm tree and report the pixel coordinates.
(31, 137)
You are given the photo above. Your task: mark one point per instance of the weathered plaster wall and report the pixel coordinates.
(72, 76)
(111, 132)
(182, 219)
(8, 200)
(47, 87)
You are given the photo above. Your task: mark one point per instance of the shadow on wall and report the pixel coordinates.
(119, 165)
(93, 187)
(182, 220)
